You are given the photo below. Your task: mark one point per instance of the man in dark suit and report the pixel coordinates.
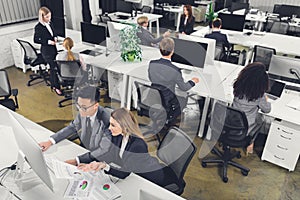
(165, 76)
(144, 34)
(216, 33)
(90, 125)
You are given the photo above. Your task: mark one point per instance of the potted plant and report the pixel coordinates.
(130, 49)
(210, 14)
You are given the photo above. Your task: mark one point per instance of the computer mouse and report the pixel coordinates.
(248, 33)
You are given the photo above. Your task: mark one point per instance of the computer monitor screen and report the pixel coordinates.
(289, 10)
(59, 26)
(238, 6)
(285, 68)
(194, 55)
(114, 29)
(93, 34)
(211, 46)
(30, 148)
(232, 22)
(227, 3)
(123, 6)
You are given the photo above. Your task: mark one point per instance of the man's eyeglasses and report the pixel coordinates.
(84, 109)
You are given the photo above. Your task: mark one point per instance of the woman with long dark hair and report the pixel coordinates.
(249, 96)
(187, 20)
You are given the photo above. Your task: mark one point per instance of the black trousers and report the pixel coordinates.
(53, 76)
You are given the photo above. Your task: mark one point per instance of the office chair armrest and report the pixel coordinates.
(14, 92)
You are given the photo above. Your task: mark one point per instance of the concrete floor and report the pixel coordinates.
(265, 180)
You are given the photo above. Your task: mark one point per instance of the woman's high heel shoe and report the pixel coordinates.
(57, 91)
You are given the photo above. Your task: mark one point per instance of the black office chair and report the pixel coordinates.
(263, 54)
(6, 92)
(232, 127)
(280, 27)
(146, 9)
(176, 150)
(70, 77)
(150, 104)
(32, 58)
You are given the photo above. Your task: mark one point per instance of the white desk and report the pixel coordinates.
(133, 20)
(210, 85)
(36, 190)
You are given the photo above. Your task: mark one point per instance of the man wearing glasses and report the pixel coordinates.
(91, 125)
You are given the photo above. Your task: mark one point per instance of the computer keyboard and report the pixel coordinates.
(293, 87)
(122, 16)
(91, 52)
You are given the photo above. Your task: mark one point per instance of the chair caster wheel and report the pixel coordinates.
(28, 84)
(225, 179)
(213, 151)
(203, 164)
(245, 173)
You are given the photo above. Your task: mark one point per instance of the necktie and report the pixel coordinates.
(88, 134)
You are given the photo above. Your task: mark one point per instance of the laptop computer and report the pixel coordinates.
(276, 89)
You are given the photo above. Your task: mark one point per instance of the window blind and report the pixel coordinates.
(12, 11)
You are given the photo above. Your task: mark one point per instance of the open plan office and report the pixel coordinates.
(206, 145)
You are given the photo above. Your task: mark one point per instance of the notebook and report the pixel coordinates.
(276, 89)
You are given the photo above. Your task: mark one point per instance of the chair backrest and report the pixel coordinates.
(263, 54)
(30, 54)
(105, 18)
(146, 9)
(68, 70)
(176, 150)
(148, 97)
(230, 124)
(5, 90)
(279, 27)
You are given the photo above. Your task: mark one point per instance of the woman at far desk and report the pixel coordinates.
(44, 34)
(68, 55)
(249, 96)
(129, 152)
(187, 20)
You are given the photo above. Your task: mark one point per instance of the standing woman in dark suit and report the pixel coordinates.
(187, 20)
(129, 152)
(45, 35)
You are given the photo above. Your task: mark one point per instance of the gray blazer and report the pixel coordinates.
(101, 136)
(147, 38)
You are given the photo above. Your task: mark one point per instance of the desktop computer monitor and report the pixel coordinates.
(239, 6)
(194, 55)
(211, 46)
(285, 68)
(232, 22)
(59, 26)
(93, 34)
(30, 149)
(114, 29)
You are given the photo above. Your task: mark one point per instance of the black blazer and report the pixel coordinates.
(41, 36)
(188, 28)
(219, 37)
(165, 76)
(135, 159)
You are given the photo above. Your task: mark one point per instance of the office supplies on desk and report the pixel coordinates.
(122, 17)
(91, 52)
(294, 103)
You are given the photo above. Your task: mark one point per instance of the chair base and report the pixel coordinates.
(60, 103)
(226, 159)
(44, 76)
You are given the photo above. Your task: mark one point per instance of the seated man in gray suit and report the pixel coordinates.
(165, 76)
(90, 125)
(144, 34)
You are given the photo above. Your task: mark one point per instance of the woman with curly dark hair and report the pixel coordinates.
(249, 96)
